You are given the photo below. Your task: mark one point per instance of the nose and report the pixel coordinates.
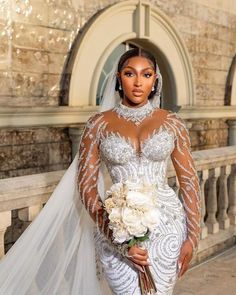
(137, 81)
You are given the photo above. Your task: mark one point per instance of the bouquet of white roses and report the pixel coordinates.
(132, 212)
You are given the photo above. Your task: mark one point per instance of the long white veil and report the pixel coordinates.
(55, 254)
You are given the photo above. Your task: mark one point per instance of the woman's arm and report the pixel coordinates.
(188, 185)
(88, 168)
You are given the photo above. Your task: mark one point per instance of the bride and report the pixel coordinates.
(69, 249)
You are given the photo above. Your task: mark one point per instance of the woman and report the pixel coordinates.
(136, 139)
(133, 137)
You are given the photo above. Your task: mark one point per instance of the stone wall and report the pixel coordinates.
(34, 150)
(36, 38)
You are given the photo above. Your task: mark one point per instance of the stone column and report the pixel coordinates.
(29, 213)
(232, 131)
(211, 222)
(5, 221)
(232, 195)
(223, 198)
(204, 230)
(75, 135)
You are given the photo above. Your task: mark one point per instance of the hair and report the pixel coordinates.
(123, 61)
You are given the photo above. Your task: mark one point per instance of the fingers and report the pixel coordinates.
(138, 250)
(186, 254)
(183, 264)
(138, 255)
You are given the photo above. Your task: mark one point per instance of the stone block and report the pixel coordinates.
(208, 30)
(186, 24)
(207, 14)
(30, 12)
(10, 137)
(28, 84)
(206, 60)
(5, 57)
(61, 17)
(208, 133)
(33, 150)
(56, 63)
(28, 36)
(53, 85)
(225, 34)
(213, 228)
(190, 41)
(5, 10)
(210, 76)
(59, 41)
(226, 62)
(214, 46)
(5, 84)
(24, 60)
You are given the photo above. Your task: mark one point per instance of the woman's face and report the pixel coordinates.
(137, 79)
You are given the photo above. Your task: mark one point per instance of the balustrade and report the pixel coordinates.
(217, 175)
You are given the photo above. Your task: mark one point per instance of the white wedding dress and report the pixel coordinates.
(62, 252)
(134, 151)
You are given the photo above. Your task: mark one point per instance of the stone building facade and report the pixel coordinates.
(41, 42)
(36, 38)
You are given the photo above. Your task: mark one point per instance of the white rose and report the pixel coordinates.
(132, 220)
(115, 215)
(138, 200)
(121, 235)
(151, 218)
(138, 230)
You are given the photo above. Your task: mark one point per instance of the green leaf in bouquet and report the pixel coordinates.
(142, 239)
(132, 242)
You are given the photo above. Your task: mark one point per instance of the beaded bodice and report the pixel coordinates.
(125, 162)
(132, 150)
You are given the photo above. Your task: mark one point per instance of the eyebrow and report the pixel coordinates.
(148, 68)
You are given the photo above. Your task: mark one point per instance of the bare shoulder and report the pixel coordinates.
(162, 113)
(107, 113)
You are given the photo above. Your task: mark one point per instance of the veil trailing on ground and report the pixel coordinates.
(55, 254)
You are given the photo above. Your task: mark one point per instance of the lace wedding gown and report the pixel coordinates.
(138, 143)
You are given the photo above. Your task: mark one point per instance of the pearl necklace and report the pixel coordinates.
(136, 115)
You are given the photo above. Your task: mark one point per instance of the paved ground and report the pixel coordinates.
(214, 277)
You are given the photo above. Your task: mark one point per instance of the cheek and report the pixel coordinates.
(127, 84)
(148, 85)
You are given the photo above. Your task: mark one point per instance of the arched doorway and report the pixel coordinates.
(141, 24)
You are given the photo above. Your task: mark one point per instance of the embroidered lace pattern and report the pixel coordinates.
(130, 150)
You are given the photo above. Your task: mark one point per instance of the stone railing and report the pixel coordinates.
(217, 173)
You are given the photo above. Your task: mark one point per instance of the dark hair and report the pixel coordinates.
(133, 53)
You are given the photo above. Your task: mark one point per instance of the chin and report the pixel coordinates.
(136, 100)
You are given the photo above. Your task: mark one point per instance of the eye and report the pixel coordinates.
(148, 75)
(128, 74)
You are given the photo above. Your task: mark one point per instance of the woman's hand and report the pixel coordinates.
(138, 256)
(186, 254)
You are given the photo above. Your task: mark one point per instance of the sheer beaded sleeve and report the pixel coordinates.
(187, 176)
(88, 170)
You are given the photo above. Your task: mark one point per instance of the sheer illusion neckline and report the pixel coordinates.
(141, 143)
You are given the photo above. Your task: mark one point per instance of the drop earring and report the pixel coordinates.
(120, 87)
(153, 88)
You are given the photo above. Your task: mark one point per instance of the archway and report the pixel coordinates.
(144, 24)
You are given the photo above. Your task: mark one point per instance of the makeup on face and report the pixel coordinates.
(137, 79)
